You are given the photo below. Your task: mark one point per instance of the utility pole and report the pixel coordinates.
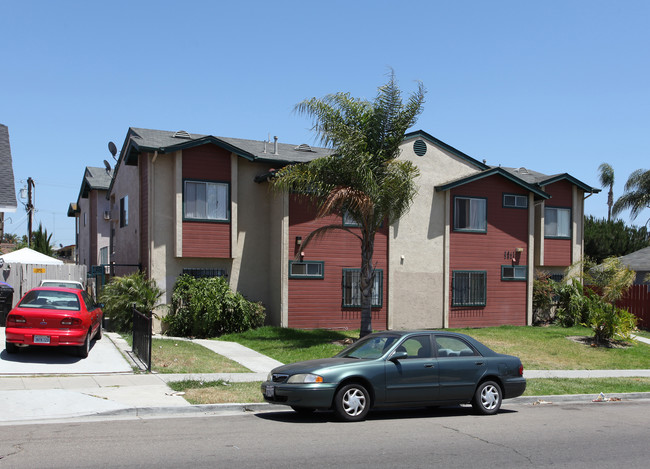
(30, 210)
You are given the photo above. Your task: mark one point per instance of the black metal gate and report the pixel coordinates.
(142, 336)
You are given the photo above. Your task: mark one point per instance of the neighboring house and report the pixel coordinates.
(464, 255)
(7, 185)
(92, 215)
(638, 261)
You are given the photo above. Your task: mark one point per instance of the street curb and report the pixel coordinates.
(214, 409)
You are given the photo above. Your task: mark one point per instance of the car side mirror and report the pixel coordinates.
(398, 356)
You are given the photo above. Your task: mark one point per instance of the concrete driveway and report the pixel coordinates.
(104, 357)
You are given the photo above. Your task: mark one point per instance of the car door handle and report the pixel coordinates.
(479, 363)
(428, 365)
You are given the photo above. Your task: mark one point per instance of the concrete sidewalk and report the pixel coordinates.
(37, 398)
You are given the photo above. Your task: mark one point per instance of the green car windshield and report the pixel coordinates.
(370, 347)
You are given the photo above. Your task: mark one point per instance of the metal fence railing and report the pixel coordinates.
(142, 336)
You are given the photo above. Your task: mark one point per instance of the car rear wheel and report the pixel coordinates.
(487, 398)
(352, 402)
(98, 335)
(85, 348)
(10, 347)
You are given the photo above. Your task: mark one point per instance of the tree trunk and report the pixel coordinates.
(366, 280)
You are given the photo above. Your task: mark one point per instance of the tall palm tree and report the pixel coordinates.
(607, 180)
(362, 178)
(637, 194)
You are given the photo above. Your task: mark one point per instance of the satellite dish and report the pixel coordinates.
(112, 148)
(108, 166)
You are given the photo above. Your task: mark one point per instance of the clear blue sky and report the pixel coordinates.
(555, 86)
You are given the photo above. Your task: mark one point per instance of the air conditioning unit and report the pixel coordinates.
(107, 214)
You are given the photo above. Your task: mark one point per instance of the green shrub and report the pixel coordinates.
(609, 322)
(207, 307)
(543, 293)
(119, 295)
(572, 304)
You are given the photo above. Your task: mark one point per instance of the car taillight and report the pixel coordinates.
(70, 322)
(521, 370)
(16, 319)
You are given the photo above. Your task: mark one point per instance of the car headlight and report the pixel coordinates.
(305, 378)
(269, 377)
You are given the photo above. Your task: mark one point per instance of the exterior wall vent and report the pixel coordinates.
(107, 214)
(182, 134)
(419, 147)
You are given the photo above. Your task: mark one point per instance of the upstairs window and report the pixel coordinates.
(557, 222)
(124, 211)
(515, 201)
(206, 201)
(470, 214)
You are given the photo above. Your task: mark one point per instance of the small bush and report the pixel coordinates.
(207, 307)
(121, 293)
(609, 322)
(543, 293)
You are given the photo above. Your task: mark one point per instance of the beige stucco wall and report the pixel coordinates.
(125, 242)
(417, 280)
(257, 233)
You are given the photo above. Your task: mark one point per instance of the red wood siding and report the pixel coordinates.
(557, 252)
(507, 230)
(316, 303)
(206, 239)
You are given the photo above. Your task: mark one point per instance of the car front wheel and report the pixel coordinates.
(487, 398)
(352, 402)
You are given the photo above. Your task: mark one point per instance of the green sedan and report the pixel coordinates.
(392, 368)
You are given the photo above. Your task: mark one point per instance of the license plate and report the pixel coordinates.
(41, 339)
(269, 391)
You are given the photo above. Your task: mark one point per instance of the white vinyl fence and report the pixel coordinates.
(23, 277)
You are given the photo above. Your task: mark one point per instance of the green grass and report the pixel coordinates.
(218, 392)
(538, 348)
(555, 386)
(293, 345)
(548, 348)
(182, 356)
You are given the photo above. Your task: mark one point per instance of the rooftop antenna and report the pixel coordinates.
(113, 149)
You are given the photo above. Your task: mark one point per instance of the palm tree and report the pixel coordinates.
(42, 241)
(362, 178)
(637, 194)
(607, 180)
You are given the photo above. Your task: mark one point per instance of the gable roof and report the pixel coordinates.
(534, 177)
(440, 144)
(94, 179)
(527, 178)
(8, 201)
(536, 190)
(148, 140)
(140, 140)
(637, 260)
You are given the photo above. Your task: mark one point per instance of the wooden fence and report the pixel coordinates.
(637, 302)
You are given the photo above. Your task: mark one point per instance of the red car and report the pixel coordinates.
(54, 316)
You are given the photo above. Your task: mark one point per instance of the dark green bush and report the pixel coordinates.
(207, 307)
(119, 295)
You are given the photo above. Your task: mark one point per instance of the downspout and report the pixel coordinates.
(150, 215)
